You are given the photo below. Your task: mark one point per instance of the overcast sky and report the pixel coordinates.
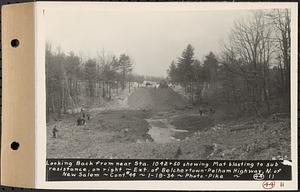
(151, 38)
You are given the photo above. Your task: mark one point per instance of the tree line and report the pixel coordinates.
(72, 81)
(251, 73)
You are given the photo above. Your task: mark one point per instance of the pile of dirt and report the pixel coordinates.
(157, 99)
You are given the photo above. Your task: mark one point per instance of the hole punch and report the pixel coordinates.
(14, 43)
(14, 145)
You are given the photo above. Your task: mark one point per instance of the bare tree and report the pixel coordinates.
(250, 53)
(281, 20)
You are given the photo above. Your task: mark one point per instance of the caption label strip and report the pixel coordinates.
(136, 169)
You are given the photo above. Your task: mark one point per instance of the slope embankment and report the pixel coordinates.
(157, 99)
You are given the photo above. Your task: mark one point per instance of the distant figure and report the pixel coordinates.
(82, 113)
(178, 152)
(88, 116)
(54, 131)
(203, 111)
(212, 111)
(200, 112)
(81, 121)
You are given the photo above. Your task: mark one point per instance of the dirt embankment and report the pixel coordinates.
(121, 133)
(128, 125)
(156, 99)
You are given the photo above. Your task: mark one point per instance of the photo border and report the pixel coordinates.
(155, 185)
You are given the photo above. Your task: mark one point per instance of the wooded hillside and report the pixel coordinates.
(251, 74)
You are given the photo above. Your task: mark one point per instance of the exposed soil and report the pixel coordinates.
(156, 130)
(157, 99)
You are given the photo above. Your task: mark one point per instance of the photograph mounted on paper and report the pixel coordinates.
(168, 85)
(150, 96)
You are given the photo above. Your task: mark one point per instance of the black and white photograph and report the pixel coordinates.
(168, 84)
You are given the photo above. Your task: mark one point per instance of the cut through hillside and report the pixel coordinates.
(157, 99)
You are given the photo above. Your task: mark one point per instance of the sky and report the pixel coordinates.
(152, 38)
